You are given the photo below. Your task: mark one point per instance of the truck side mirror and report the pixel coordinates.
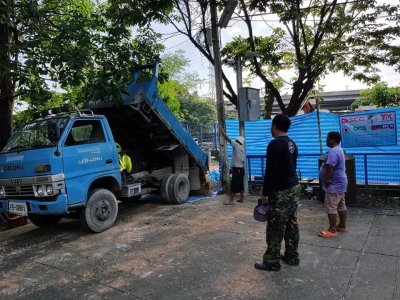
(53, 132)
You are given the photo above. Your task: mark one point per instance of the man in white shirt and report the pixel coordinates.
(238, 157)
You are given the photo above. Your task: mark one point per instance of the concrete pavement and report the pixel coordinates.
(200, 251)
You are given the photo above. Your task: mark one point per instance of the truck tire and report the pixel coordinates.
(100, 211)
(178, 189)
(164, 187)
(44, 221)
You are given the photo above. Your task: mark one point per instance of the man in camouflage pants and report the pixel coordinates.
(281, 189)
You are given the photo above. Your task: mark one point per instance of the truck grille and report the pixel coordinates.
(19, 191)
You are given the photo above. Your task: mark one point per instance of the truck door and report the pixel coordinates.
(86, 155)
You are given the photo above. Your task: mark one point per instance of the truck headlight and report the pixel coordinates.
(2, 192)
(49, 190)
(40, 190)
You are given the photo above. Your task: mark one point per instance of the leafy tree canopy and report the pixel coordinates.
(319, 36)
(380, 95)
(311, 38)
(70, 45)
(197, 110)
(171, 92)
(174, 65)
(180, 91)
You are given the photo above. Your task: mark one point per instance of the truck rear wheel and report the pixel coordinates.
(175, 189)
(164, 187)
(44, 221)
(100, 211)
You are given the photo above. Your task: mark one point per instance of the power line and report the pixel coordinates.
(178, 45)
(301, 8)
(170, 36)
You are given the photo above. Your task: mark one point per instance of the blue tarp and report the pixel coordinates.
(382, 168)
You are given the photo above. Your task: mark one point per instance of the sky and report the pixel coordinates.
(198, 63)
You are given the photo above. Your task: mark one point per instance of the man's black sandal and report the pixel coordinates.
(290, 261)
(266, 266)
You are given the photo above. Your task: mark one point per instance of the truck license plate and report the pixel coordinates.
(18, 208)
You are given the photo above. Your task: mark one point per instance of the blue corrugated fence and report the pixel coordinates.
(374, 165)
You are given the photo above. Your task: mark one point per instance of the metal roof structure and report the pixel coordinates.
(334, 102)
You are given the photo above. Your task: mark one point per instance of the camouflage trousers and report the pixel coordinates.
(282, 224)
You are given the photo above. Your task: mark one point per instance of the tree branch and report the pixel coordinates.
(177, 4)
(303, 32)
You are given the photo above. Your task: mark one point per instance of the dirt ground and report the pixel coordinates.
(203, 250)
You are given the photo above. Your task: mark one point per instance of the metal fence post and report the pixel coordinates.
(365, 170)
(215, 135)
(249, 169)
(201, 133)
(262, 166)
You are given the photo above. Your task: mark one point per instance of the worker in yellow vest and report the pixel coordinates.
(125, 162)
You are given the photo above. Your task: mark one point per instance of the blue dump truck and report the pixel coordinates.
(67, 164)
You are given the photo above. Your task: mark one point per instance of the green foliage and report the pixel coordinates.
(139, 12)
(185, 105)
(196, 110)
(380, 95)
(71, 98)
(360, 102)
(86, 48)
(174, 64)
(231, 116)
(274, 52)
(170, 92)
(180, 93)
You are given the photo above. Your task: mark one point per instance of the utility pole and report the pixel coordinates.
(239, 83)
(318, 102)
(219, 95)
(319, 126)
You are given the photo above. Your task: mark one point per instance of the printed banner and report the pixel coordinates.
(368, 130)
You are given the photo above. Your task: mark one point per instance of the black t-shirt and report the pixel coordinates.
(280, 173)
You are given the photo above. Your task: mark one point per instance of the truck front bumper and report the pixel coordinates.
(59, 206)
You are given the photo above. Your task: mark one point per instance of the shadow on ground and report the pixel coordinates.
(199, 251)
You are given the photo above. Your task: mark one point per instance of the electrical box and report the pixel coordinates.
(249, 104)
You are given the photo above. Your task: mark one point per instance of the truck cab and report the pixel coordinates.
(49, 167)
(68, 163)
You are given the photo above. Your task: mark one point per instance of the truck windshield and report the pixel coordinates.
(39, 134)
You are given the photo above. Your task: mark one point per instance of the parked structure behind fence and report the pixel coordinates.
(206, 135)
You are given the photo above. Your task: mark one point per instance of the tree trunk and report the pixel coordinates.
(6, 86)
(300, 93)
(6, 111)
(269, 101)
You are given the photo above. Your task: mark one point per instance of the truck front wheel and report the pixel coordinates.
(100, 211)
(44, 221)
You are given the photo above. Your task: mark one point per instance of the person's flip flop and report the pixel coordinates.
(341, 229)
(327, 234)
